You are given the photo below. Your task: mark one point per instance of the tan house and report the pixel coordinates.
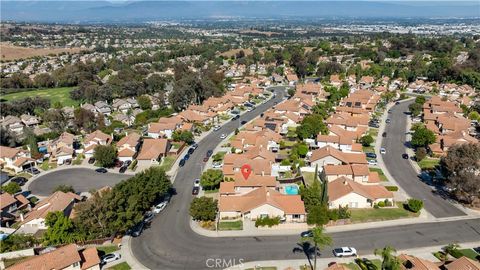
(346, 192)
(328, 155)
(152, 151)
(15, 159)
(127, 147)
(61, 149)
(93, 139)
(10, 206)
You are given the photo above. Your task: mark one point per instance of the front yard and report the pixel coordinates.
(380, 173)
(428, 163)
(230, 225)
(120, 266)
(380, 214)
(167, 163)
(108, 249)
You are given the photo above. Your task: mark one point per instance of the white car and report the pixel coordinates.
(159, 207)
(196, 183)
(110, 258)
(372, 162)
(216, 128)
(217, 165)
(344, 252)
(383, 150)
(223, 136)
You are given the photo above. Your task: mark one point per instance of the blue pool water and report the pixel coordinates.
(291, 190)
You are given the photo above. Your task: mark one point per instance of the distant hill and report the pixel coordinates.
(104, 11)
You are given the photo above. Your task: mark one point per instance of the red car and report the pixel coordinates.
(205, 159)
(195, 190)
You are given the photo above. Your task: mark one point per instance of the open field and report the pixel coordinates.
(234, 52)
(61, 94)
(11, 52)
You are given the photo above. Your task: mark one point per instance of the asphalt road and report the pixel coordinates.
(81, 179)
(403, 172)
(170, 243)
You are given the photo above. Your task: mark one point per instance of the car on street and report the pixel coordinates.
(344, 252)
(216, 128)
(308, 233)
(388, 121)
(191, 150)
(186, 157)
(371, 155)
(127, 163)
(398, 102)
(405, 156)
(159, 207)
(19, 180)
(195, 146)
(196, 182)
(384, 134)
(123, 169)
(217, 165)
(209, 153)
(91, 160)
(223, 136)
(205, 159)
(110, 258)
(372, 162)
(181, 163)
(383, 150)
(148, 217)
(243, 122)
(101, 170)
(118, 163)
(195, 190)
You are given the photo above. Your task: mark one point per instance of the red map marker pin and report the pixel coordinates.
(246, 171)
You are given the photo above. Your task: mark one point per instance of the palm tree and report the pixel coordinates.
(389, 260)
(450, 248)
(320, 240)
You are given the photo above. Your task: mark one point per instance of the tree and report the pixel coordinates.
(203, 209)
(64, 188)
(460, 167)
(311, 126)
(474, 116)
(366, 140)
(44, 80)
(414, 205)
(82, 119)
(415, 109)
(18, 241)
(11, 188)
(60, 230)
(105, 155)
(144, 102)
(6, 138)
(420, 100)
(389, 260)
(211, 179)
(423, 137)
(318, 215)
(55, 119)
(320, 240)
(291, 92)
(420, 153)
(184, 136)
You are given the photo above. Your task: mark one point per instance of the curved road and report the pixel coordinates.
(170, 243)
(403, 172)
(81, 179)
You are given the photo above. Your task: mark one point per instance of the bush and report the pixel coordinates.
(391, 188)
(388, 203)
(375, 206)
(414, 205)
(11, 188)
(420, 154)
(64, 188)
(267, 221)
(366, 140)
(203, 209)
(381, 204)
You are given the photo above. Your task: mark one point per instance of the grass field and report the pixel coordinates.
(120, 266)
(230, 225)
(380, 173)
(61, 94)
(428, 163)
(372, 214)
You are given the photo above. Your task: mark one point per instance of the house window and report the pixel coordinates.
(296, 216)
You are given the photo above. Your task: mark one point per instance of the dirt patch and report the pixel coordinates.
(234, 52)
(11, 52)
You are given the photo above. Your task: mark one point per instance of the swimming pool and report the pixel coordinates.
(291, 190)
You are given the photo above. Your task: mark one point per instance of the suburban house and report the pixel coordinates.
(66, 257)
(127, 147)
(343, 143)
(262, 202)
(415, 263)
(152, 151)
(240, 185)
(15, 159)
(161, 130)
(346, 192)
(62, 148)
(357, 172)
(58, 201)
(93, 139)
(29, 120)
(12, 124)
(103, 108)
(329, 155)
(10, 206)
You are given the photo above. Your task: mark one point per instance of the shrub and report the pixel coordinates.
(420, 154)
(414, 205)
(333, 214)
(203, 209)
(388, 203)
(376, 206)
(344, 213)
(381, 204)
(391, 188)
(267, 221)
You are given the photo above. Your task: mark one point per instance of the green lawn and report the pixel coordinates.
(380, 173)
(367, 149)
(120, 266)
(61, 94)
(108, 249)
(46, 165)
(308, 177)
(167, 163)
(428, 163)
(372, 214)
(24, 174)
(373, 132)
(467, 252)
(352, 266)
(230, 225)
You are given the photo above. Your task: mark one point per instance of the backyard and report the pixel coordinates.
(61, 94)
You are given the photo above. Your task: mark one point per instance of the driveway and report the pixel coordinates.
(403, 172)
(81, 179)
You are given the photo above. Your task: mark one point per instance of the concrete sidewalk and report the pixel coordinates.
(322, 263)
(127, 254)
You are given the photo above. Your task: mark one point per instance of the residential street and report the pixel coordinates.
(403, 172)
(170, 243)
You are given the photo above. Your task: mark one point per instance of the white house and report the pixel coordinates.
(346, 192)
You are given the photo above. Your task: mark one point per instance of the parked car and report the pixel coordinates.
(191, 150)
(372, 162)
(123, 169)
(118, 163)
(19, 180)
(159, 207)
(243, 122)
(181, 163)
(217, 165)
(405, 156)
(32, 171)
(383, 150)
(195, 146)
(127, 163)
(148, 217)
(216, 128)
(110, 258)
(137, 230)
(101, 170)
(186, 157)
(91, 160)
(205, 159)
(344, 252)
(196, 183)
(209, 153)
(384, 134)
(308, 233)
(195, 190)
(390, 111)
(388, 121)
(223, 136)
(371, 155)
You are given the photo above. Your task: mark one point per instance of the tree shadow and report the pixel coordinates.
(306, 248)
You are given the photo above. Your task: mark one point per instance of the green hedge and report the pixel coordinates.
(267, 221)
(391, 188)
